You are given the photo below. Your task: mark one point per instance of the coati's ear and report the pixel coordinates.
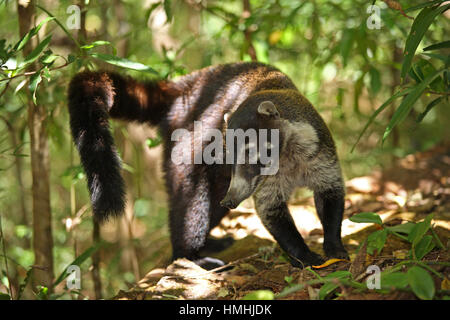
(267, 108)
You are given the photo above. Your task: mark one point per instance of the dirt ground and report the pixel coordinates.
(415, 187)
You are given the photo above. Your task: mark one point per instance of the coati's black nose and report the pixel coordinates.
(228, 203)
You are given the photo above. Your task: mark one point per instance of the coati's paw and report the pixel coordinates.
(209, 263)
(310, 259)
(335, 251)
(216, 244)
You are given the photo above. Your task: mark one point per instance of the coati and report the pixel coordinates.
(252, 95)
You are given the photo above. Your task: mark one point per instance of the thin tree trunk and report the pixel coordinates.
(40, 168)
(248, 33)
(395, 74)
(18, 168)
(96, 238)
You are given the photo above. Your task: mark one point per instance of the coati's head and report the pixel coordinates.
(252, 145)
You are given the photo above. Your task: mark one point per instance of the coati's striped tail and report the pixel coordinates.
(93, 98)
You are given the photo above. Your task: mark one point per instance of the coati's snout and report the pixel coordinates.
(242, 185)
(228, 202)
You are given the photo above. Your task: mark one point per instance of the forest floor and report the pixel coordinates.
(409, 191)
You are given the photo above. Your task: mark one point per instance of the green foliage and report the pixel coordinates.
(394, 280)
(415, 233)
(154, 142)
(259, 295)
(425, 74)
(421, 24)
(421, 283)
(376, 241)
(408, 102)
(366, 217)
(333, 283)
(77, 262)
(418, 279)
(4, 296)
(124, 63)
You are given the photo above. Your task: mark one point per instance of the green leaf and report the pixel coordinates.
(95, 44)
(378, 111)
(4, 296)
(124, 63)
(61, 25)
(358, 88)
(154, 142)
(30, 34)
(78, 261)
(289, 290)
(406, 105)
(420, 25)
(376, 241)
(402, 228)
(35, 80)
(260, 295)
(338, 275)
(444, 58)
(37, 51)
(327, 289)
(42, 293)
(25, 282)
(168, 9)
(48, 58)
(423, 5)
(430, 106)
(422, 69)
(394, 280)
(424, 246)
(421, 283)
(152, 8)
(346, 45)
(419, 230)
(366, 217)
(375, 80)
(437, 46)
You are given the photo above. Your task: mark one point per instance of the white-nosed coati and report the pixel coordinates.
(255, 96)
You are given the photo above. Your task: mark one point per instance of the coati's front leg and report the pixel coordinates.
(276, 217)
(330, 209)
(189, 213)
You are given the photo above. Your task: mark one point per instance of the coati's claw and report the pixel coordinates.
(311, 259)
(216, 244)
(335, 251)
(209, 263)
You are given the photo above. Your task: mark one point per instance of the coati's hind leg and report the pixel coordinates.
(189, 214)
(217, 244)
(275, 216)
(219, 182)
(330, 209)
